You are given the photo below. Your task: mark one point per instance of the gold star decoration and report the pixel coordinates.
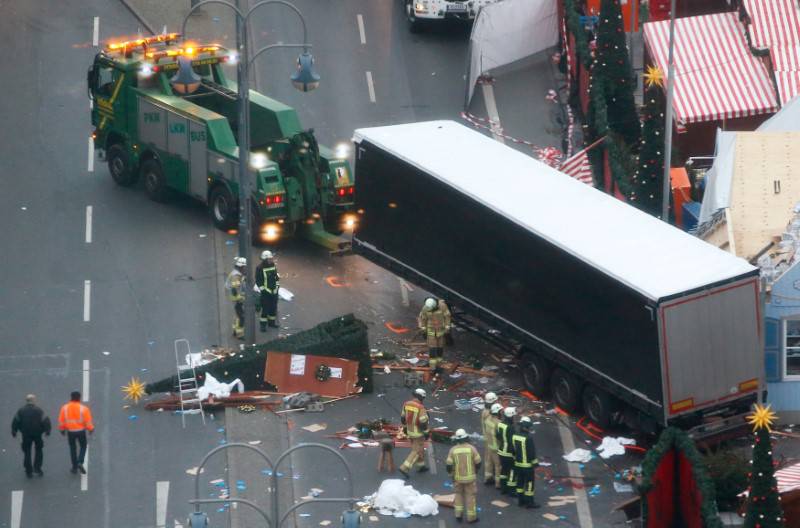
(653, 76)
(134, 390)
(762, 417)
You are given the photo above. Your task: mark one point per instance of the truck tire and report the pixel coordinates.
(565, 389)
(535, 373)
(414, 25)
(155, 183)
(223, 208)
(119, 166)
(599, 406)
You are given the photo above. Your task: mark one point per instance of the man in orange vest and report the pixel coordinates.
(415, 425)
(74, 420)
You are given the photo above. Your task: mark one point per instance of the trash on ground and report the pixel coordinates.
(374, 518)
(254, 442)
(499, 503)
(193, 471)
(313, 428)
(211, 386)
(445, 500)
(324, 523)
(611, 446)
(285, 294)
(401, 500)
(623, 488)
(579, 455)
(550, 516)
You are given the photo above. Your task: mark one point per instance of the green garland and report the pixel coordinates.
(674, 438)
(576, 29)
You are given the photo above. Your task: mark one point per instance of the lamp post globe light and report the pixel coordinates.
(304, 79)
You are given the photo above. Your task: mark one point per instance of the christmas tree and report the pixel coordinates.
(763, 502)
(612, 69)
(646, 187)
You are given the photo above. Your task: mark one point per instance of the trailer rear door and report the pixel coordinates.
(710, 342)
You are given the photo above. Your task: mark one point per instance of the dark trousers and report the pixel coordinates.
(269, 309)
(507, 474)
(76, 438)
(36, 442)
(525, 485)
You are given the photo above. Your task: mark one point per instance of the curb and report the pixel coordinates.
(138, 16)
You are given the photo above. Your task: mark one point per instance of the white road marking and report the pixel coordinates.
(96, 32)
(85, 392)
(403, 291)
(370, 87)
(361, 32)
(85, 476)
(91, 154)
(582, 502)
(442, 524)
(16, 508)
(491, 109)
(431, 460)
(162, 494)
(88, 224)
(87, 300)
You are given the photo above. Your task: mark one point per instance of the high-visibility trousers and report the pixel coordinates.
(507, 484)
(525, 484)
(416, 456)
(492, 469)
(238, 319)
(269, 308)
(466, 493)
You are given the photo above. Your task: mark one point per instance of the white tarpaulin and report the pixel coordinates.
(217, 388)
(508, 31)
(719, 177)
(395, 498)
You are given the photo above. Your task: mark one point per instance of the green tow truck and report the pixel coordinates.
(187, 144)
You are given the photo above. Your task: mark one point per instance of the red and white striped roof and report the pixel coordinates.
(775, 24)
(788, 478)
(717, 77)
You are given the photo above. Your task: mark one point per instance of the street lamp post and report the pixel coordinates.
(199, 519)
(304, 79)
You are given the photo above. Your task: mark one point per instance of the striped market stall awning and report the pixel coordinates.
(716, 75)
(775, 24)
(788, 478)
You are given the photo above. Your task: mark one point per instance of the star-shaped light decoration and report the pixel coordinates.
(762, 417)
(653, 76)
(134, 390)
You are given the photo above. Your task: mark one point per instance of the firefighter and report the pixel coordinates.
(415, 425)
(463, 462)
(268, 283)
(235, 284)
(434, 321)
(489, 427)
(505, 451)
(525, 462)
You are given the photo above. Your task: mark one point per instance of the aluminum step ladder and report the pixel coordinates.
(187, 382)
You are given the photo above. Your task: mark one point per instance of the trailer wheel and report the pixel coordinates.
(155, 183)
(223, 208)
(599, 406)
(566, 390)
(119, 166)
(535, 373)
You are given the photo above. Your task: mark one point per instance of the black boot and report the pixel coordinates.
(273, 324)
(263, 326)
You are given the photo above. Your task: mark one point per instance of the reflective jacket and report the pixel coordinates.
(235, 286)
(267, 278)
(462, 462)
(524, 450)
(75, 416)
(415, 418)
(435, 323)
(489, 426)
(504, 433)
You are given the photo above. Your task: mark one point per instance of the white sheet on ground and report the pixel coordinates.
(395, 498)
(611, 446)
(578, 455)
(217, 388)
(508, 31)
(285, 294)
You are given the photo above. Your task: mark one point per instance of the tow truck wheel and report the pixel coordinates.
(598, 406)
(119, 166)
(414, 25)
(155, 184)
(224, 210)
(565, 388)
(535, 373)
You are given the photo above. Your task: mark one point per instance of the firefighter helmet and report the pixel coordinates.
(266, 254)
(460, 434)
(510, 412)
(240, 262)
(496, 408)
(420, 393)
(430, 304)
(490, 398)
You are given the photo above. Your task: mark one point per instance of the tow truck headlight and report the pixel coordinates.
(146, 70)
(270, 232)
(349, 222)
(342, 150)
(421, 6)
(232, 58)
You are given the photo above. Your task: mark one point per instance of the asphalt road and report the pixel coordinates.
(87, 304)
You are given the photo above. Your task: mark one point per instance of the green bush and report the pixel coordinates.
(728, 471)
(344, 337)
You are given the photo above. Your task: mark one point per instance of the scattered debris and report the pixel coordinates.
(550, 517)
(193, 471)
(446, 501)
(579, 455)
(254, 442)
(611, 446)
(374, 518)
(623, 488)
(324, 523)
(499, 503)
(313, 428)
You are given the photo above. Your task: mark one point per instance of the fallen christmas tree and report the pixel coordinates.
(344, 337)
